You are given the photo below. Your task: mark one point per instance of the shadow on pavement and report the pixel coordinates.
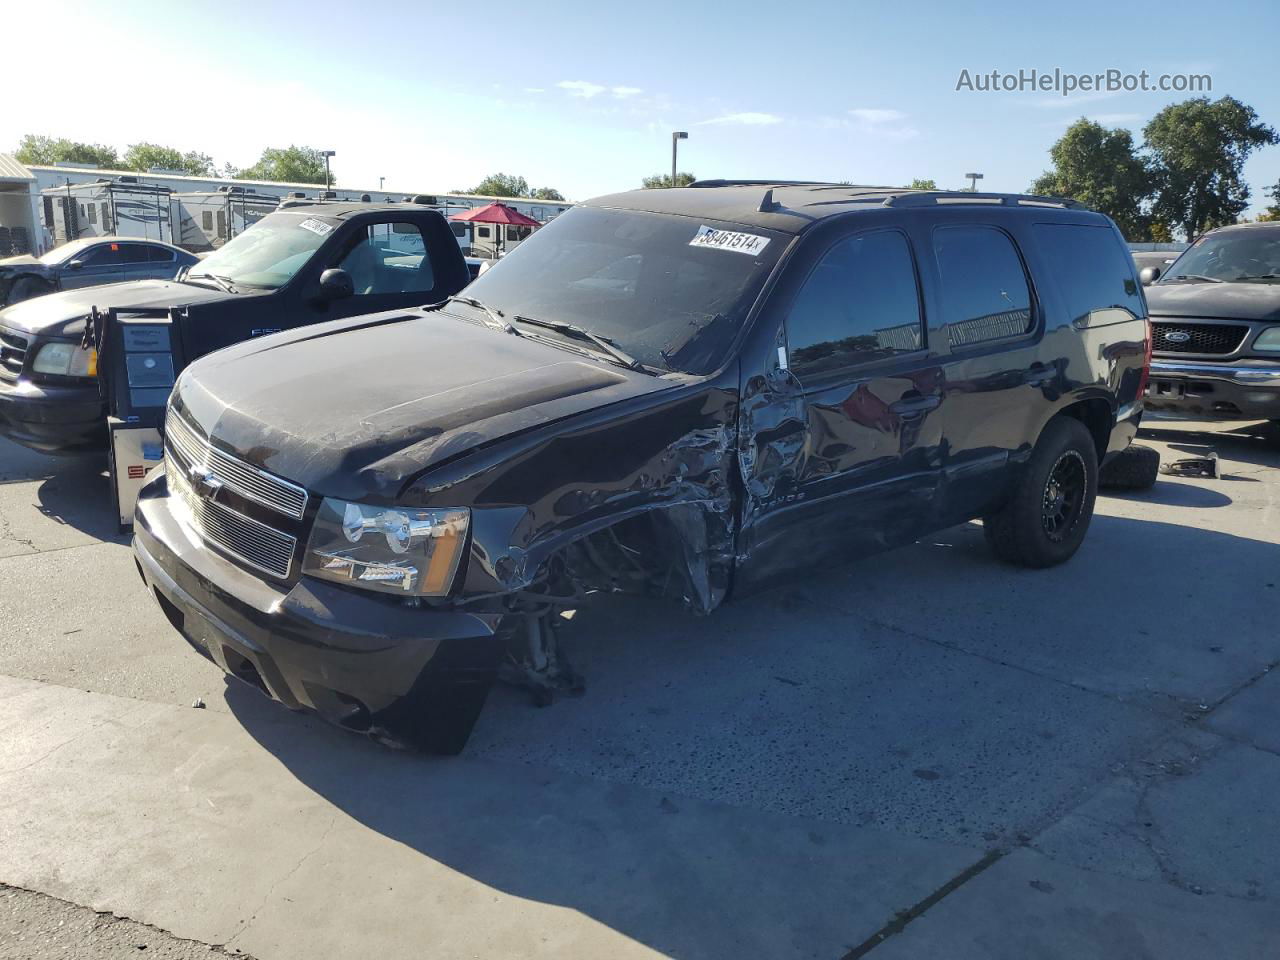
(79, 495)
(1174, 495)
(1253, 443)
(785, 703)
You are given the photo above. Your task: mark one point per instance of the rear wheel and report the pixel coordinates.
(1048, 514)
(27, 287)
(1137, 468)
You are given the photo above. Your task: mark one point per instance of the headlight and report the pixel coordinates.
(1268, 340)
(67, 360)
(410, 551)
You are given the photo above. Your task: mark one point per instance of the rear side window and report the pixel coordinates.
(984, 288)
(159, 254)
(1090, 267)
(133, 253)
(859, 304)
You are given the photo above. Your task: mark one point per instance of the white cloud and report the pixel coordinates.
(623, 92)
(1075, 99)
(535, 89)
(743, 119)
(875, 116)
(581, 88)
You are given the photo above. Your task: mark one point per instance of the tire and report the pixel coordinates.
(1048, 512)
(1137, 468)
(24, 288)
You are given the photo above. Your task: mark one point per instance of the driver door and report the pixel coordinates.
(103, 263)
(390, 266)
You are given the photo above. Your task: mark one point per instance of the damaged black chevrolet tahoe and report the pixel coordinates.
(690, 392)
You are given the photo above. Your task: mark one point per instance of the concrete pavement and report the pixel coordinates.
(928, 753)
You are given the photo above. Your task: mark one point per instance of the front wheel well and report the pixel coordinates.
(1098, 419)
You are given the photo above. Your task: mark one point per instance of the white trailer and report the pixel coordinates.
(209, 218)
(122, 208)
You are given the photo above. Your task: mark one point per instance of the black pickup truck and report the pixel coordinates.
(305, 263)
(690, 392)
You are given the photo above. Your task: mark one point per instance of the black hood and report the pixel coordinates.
(1226, 301)
(355, 408)
(63, 314)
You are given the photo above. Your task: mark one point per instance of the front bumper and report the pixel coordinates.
(415, 676)
(1239, 390)
(62, 419)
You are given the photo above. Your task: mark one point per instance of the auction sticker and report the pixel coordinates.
(747, 243)
(316, 226)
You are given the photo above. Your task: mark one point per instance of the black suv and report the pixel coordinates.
(1215, 315)
(689, 392)
(306, 263)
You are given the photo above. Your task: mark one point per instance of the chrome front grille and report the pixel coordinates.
(13, 351)
(243, 538)
(257, 485)
(200, 473)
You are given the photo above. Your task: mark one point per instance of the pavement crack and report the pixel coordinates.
(904, 917)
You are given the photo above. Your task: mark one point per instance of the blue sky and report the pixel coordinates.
(584, 98)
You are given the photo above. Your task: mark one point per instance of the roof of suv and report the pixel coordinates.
(342, 209)
(790, 206)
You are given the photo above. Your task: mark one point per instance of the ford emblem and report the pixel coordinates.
(1177, 336)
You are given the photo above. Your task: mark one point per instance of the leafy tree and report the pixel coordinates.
(501, 185)
(1273, 211)
(1198, 150)
(1100, 167)
(1160, 232)
(548, 193)
(34, 149)
(662, 180)
(144, 156)
(918, 184)
(291, 164)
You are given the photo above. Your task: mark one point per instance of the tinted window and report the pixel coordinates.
(1093, 271)
(984, 289)
(159, 255)
(389, 258)
(134, 253)
(860, 303)
(105, 255)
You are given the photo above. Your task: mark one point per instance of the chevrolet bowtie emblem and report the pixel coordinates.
(203, 482)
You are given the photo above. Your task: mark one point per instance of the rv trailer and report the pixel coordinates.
(209, 218)
(122, 207)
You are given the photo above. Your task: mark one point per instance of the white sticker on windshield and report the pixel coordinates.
(747, 243)
(316, 226)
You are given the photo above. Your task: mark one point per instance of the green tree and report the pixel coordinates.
(548, 193)
(290, 164)
(145, 156)
(918, 184)
(662, 180)
(1160, 232)
(1273, 210)
(1198, 149)
(35, 149)
(1101, 168)
(501, 185)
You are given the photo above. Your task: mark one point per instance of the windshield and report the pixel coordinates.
(1252, 254)
(670, 291)
(68, 251)
(270, 252)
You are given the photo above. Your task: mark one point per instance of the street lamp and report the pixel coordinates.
(973, 181)
(380, 179)
(327, 154)
(676, 137)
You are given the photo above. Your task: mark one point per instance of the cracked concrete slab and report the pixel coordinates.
(289, 840)
(1029, 906)
(1252, 715)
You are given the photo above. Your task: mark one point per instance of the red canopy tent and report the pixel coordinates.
(497, 213)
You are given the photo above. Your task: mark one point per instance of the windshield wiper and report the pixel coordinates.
(1198, 276)
(224, 282)
(499, 322)
(604, 344)
(1261, 276)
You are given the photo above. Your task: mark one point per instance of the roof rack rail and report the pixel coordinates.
(933, 197)
(760, 183)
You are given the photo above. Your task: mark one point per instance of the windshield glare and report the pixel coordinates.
(68, 251)
(270, 252)
(634, 279)
(1238, 255)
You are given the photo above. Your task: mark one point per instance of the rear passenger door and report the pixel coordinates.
(997, 382)
(870, 399)
(135, 261)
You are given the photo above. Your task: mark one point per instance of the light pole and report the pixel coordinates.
(676, 137)
(380, 179)
(973, 181)
(327, 154)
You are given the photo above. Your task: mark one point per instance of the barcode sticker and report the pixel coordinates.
(747, 243)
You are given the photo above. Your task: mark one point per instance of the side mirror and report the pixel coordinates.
(75, 264)
(1149, 275)
(335, 284)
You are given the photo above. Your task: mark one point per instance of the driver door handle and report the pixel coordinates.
(915, 404)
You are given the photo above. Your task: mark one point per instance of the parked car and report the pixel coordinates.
(692, 392)
(300, 265)
(1160, 259)
(1215, 313)
(89, 263)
